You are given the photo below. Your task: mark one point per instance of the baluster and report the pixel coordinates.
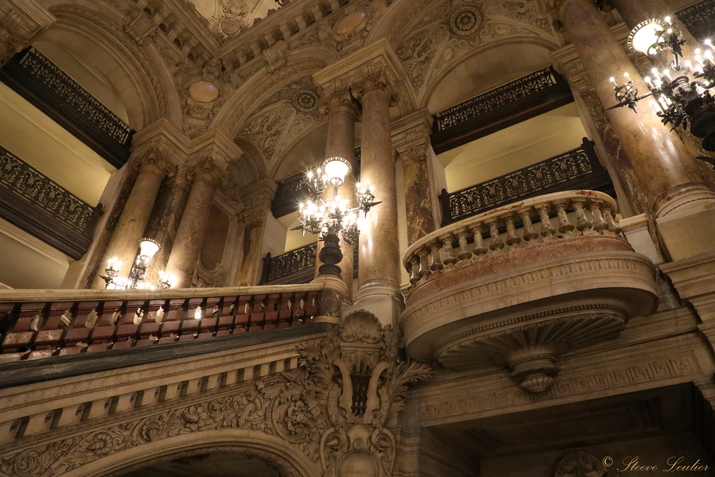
(547, 230)
(436, 260)
(599, 224)
(612, 225)
(479, 248)
(512, 238)
(564, 224)
(496, 242)
(529, 231)
(414, 269)
(449, 258)
(582, 221)
(424, 270)
(464, 253)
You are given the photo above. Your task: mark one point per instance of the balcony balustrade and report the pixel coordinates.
(43, 323)
(521, 285)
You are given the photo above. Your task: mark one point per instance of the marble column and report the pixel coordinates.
(379, 266)
(342, 113)
(632, 199)
(665, 169)
(154, 165)
(21, 23)
(411, 136)
(634, 12)
(192, 228)
(252, 221)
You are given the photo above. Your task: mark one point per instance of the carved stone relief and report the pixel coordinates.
(579, 464)
(332, 409)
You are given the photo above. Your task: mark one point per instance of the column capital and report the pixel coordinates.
(375, 66)
(210, 168)
(340, 100)
(154, 156)
(257, 200)
(21, 22)
(411, 136)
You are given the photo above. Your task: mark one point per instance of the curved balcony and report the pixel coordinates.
(521, 285)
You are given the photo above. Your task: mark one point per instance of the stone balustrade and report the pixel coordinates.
(532, 221)
(43, 323)
(521, 285)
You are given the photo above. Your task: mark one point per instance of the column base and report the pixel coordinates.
(683, 197)
(688, 231)
(381, 298)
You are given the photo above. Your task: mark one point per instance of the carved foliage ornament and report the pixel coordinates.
(332, 408)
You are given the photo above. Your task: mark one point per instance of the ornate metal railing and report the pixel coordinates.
(289, 264)
(575, 169)
(498, 108)
(54, 92)
(292, 190)
(40, 206)
(54, 323)
(698, 17)
(296, 266)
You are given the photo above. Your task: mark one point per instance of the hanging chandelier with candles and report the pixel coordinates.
(136, 279)
(681, 90)
(333, 216)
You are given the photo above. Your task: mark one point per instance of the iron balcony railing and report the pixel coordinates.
(43, 208)
(572, 170)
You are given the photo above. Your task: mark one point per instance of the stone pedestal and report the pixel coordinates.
(153, 168)
(661, 162)
(185, 252)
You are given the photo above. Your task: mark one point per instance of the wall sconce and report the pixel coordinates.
(147, 250)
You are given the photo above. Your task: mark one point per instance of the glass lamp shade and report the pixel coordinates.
(148, 248)
(336, 168)
(645, 35)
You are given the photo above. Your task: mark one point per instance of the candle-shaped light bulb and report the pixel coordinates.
(667, 19)
(613, 80)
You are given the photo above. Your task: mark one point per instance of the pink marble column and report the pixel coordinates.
(192, 228)
(342, 113)
(153, 168)
(660, 160)
(379, 267)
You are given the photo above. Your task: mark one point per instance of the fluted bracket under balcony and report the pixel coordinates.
(551, 276)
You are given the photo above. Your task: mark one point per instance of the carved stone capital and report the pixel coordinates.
(139, 26)
(341, 100)
(21, 21)
(154, 157)
(411, 136)
(210, 169)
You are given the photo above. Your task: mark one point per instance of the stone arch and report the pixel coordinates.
(483, 58)
(270, 448)
(147, 92)
(244, 103)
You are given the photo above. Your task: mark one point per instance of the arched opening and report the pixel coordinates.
(209, 464)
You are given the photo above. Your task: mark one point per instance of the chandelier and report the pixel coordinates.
(334, 216)
(681, 90)
(136, 280)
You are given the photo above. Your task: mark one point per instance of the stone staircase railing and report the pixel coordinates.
(43, 323)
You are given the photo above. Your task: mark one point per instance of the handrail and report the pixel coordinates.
(43, 323)
(433, 252)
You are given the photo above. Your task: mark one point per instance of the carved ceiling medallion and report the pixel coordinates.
(465, 21)
(305, 101)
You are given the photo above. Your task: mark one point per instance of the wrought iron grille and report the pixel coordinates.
(698, 14)
(496, 98)
(579, 164)
(291, 262)
(61, 84)
(42, 192)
